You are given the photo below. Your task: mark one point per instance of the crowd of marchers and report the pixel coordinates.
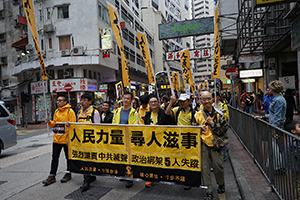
(206, 111)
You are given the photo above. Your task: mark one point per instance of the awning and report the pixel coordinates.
(21, 44)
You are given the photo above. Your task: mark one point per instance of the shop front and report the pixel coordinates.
(39, 105)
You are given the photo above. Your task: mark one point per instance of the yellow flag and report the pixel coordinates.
(29, 12)
(146, 56)
(114, 20)
(206, 83)
(175, 80)
(186, 68)
(216, 70)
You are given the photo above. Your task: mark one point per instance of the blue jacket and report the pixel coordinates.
(268, 100)
(277, 111)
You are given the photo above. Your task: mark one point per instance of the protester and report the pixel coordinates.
(106, 116)
(259, 98)
(156, 116)
(62, 114)
(183, 115)
(126, 115)
(278, 105)
(164, 102)
(198, 104)
(135, 102)
(87, 114)
(143, 108)
(265, 104)
(116, 106)
(249, 99)
(293, 153)
(222, 108)
(290, 105)
(213, 126)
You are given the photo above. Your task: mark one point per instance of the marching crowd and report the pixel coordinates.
(182, 110)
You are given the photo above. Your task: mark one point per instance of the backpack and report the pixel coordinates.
(193, 120)
(220, 128)
(88, 117)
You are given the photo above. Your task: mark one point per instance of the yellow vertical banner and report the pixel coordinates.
(114, 20)
(186, 68)
(29, 12)
(216, 70)
(146, 55)
(206, 83)
(175, 80)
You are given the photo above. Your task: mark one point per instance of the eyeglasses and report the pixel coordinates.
(59, 100)
(153, 102)
(206, 99)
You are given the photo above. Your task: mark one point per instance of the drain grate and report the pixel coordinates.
(94, 193)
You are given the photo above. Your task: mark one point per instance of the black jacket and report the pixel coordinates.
(108, 118)
(163, 119)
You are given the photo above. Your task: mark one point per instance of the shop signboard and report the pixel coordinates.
(39, 87)
(72, 85)
(103, 88)
(251, 73)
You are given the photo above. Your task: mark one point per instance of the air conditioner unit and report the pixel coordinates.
(29, 47)
(78, 50)
(49, 28)
(65, 52)
(67, 74)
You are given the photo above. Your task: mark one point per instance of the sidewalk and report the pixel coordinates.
(251, 182)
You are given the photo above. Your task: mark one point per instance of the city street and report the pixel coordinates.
(24, 166)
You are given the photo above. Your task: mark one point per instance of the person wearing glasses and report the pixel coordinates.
(62, 114)
(156, 116)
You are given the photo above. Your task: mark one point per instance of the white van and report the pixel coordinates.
(8, 134)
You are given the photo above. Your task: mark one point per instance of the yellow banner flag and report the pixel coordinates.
(114, 20)
(186, 68)
(29, 12)
(146, 55)
(175, 80)
(206, 83)
(216, 70)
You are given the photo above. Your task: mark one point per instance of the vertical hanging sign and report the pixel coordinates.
(146, 55)
(216, 70)
(114, 20)
(29, 12)
(186, 69)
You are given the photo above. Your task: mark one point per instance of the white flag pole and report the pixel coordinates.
(170, 80)
(45, 102)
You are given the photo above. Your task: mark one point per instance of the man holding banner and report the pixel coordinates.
(126, 115)
(213, 127)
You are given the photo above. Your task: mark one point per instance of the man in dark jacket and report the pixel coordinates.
(156, 116)
(106, 116)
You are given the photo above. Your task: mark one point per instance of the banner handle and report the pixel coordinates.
(170, 80)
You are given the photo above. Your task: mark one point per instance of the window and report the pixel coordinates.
(132, 55)
(41, 15)
(99, 76)
(3, 60)
(60, 74)
(50, 73)
(126, 51)
(48, 13)
(69, 72)
(95, 76)
(3, 113)
(84, 73)
(42, 44)
(50, 43)
(64, 43)
(38, 76)
(62, 12)
(90, 74)
(5, 82)
(103, 13)
(131, 38)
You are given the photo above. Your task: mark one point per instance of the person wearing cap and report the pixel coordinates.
(184, 114)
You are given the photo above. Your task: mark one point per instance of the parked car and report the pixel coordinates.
(8, 134)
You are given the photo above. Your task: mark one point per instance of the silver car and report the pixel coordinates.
(8, 134)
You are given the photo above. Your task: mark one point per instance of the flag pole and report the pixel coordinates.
(45, 102)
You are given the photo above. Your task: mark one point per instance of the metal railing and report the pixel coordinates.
(275, 151)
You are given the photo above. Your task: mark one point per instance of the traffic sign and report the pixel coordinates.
(54, 93)
(68, 87)
(229, 72)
